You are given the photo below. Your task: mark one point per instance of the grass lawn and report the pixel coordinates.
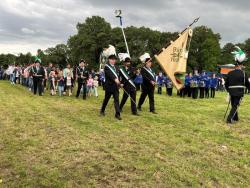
(62, 142)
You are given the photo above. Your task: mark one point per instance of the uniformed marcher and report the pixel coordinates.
(38, 74)
(127, 75)
(202, 84)
(207, 86)
(188, 90)
(194, 84)
(149, 82)
(236, 82)
(169, 86)
(82, 77)
(112, 84)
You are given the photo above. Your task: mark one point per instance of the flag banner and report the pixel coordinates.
(173, 59)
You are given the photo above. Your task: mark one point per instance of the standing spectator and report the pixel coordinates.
(68, 77)
(48, 70)
(194, 84)
(102, 78)
(60, 85)
(96, 86)
(169, 86)
(202, 84)
(207, 86)
(82, 76)
(214, 84)
(52, 77)
(160, 81)
(138, 80)
(90, 85)
(1, 72)
(188, 90)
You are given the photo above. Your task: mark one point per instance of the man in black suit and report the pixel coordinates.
(127, 76)
(235, 84)
(82, 77)
(148, 85)
(111, 86)
(38, 74)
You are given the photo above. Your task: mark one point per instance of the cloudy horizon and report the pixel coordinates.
(27, 25)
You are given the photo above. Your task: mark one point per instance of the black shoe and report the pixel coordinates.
(229, 122)
(153, 112)
(118, 117)
(135, 114)
(102, 113)
(139, 108)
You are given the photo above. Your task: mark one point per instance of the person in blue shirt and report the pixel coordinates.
(138, 80)
(207, 86)
(169, 86)
(194, 84)
(102, 78)
(188, 90)
(160, 81)
(202, 84)
(213, 85)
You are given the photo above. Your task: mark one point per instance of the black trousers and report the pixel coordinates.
(195, 92)
(188, 91)
(84, 87)
(170, 91)
(132, 93)
(159, 89)
(202, 92)
(150, 93)
(182, 92)
(207, 92)
(235, 102)
(138, 87)
(108, 95)
(37, 84)
(212, 92)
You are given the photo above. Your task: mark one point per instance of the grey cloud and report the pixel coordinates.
(44, 23)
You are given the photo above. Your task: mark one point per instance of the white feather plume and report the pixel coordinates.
(123, 56)
(109, 51)
(144, 57)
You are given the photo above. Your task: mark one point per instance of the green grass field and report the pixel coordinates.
(62, 142)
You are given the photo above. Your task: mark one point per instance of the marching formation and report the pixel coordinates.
(124, 78)
(129, 79)
(196, 86)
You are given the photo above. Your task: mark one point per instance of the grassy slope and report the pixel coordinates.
(62, 142)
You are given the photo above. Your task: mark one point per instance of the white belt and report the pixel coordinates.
(231, 87)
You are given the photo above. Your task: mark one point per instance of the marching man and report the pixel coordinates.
(112, 83)
(127, 76)
(38, 74)
(82, 76)
(149, 82)
(236, 82)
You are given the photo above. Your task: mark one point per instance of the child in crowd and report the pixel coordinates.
(95, 88)
(90, 84)
(69, 83)
(60, 83)
(160, 80)
(52, 76)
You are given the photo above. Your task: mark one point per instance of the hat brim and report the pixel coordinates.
(112, 57)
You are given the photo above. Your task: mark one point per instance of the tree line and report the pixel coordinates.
(95, 33)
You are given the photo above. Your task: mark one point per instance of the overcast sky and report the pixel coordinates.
(26, 25)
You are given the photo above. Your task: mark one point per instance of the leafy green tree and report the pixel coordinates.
(93, 35)
(204, 49)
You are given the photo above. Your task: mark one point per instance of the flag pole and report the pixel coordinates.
(118, 15)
